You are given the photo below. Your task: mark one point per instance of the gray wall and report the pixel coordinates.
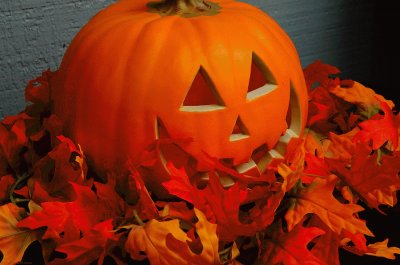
(35, 33)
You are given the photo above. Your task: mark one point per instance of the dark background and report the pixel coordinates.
(385, 68)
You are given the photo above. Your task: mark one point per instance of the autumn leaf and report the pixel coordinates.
(144, 204)
(362, 96)
(326, 247)
(63, 165)
(165, 243)
(317, 198)
(313, 143)
(225, 205)
(86, 211)
(5, 185)
(13, 240)
(322, 107)
(222, 206)
(374, 183)
(179, 184)
(315, 167)
(37, 91)
(381, 249)
(289, 248)
(354, 243)
(92, 246)
(318, 73)
(13, 138)
(341, 147)
(379, 129)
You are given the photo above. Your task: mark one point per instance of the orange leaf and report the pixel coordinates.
(341, 147)
(289, 248)
(360, 95)
(381, 249)
(165, 243)
(13, 240)
(317, 198)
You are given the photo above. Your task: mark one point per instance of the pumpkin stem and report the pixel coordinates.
(184, 8)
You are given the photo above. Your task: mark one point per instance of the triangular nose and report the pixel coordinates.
(239, 131)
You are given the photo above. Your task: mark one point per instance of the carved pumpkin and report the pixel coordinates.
(222, 73)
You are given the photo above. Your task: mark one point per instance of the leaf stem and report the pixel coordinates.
(20, 179)
(137, 218)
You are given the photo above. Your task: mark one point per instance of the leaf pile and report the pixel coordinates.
(301, 210)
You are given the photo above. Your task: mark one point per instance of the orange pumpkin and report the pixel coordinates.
(222, 73)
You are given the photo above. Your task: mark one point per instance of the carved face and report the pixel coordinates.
(231, 82)
(243, 122)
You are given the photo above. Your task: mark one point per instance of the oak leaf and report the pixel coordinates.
(372, 182)
(326, 247)
(318, 73)
(87, 210)
(165, 243)
(381, 249)
(222, 206)
(360, 95)
(13, 139)
(289, 248)
(92, 246)
(13, 240)
(37, 90)
(62, 166)
(5, 185)
(317, 198)
(341, 146)
(380, 129)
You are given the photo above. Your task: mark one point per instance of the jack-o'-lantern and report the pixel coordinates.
(220, 72)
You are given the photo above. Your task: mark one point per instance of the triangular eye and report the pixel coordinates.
(261, 80)
(239, 131)
(202, 95)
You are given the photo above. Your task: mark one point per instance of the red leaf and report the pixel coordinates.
(53, 216)
(223, 205)
(380, 129)
(5, 185)
(92, 246)
(86, 211)
(37, 91)
(318, 72)
(374, 183)
(12, 139)
(61, 167)
(290, 248)
(144, 205)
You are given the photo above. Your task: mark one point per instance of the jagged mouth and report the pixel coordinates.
(259, 160)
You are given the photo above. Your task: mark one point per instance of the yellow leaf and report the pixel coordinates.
(165, 243)
(13, 240)
(382, 250)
